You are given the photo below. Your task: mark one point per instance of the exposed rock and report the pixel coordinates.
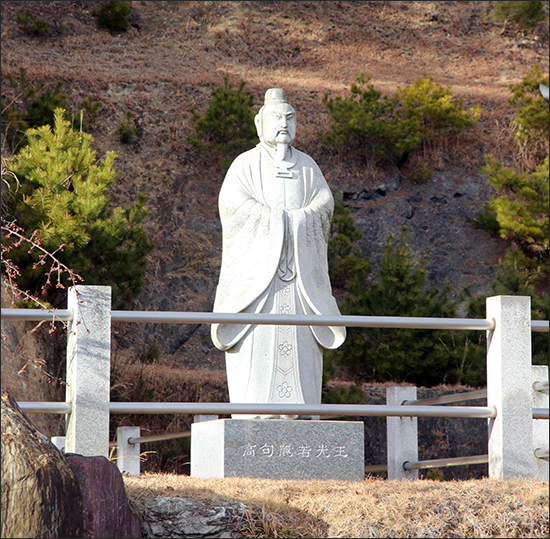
(106, 507)
(185, 517)
(40, 493)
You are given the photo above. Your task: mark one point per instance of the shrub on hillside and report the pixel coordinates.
(227, 125)
(527, 14)
(126, 130)
(30, 25)
(39, 102)
(346, 263)
(372, 124)
(433, 111)
(422, 357)
(113, 16)
(59, 189)
(521, 207)
(531, 113)
(365, 122)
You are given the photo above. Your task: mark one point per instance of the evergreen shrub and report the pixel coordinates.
(126, 130)
(39, 103)
(371, 123)
(113, 16)
(346, 263)
(59, 190)
(527, 14)
(227, 126)
(531, 109)
(29, 24)
(398, 288)
(521, 206)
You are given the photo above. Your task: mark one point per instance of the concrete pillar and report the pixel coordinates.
(509, 387)
(89, 370)
(128, 454)
(402, 434)
(541, 431)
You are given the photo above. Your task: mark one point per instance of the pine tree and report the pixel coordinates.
(521, 207)
(227, 126)
(59, 189)
(346, 263)
(423, 357)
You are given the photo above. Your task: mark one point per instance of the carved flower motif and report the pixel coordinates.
(285, 308)
(284, 390)
(285, 349)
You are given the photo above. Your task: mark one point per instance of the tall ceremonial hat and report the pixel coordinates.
(275, 95)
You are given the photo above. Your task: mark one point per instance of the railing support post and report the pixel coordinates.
(509, 387)
(402, 435)
(89, 370)
(541, 429)
(128, 454)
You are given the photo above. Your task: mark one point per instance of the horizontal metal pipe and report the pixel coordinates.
(357, 410)
(159, 437)
(445, 399)
(332, 410)
(542, 326)
(46, 407)
(541, 386)
(540, 413)
(301, 320)
(442, 463)
(541, 453)
(36, 315)
(243, 318)
(169, 317)
(374, 468)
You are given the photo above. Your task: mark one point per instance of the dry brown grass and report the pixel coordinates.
(371, 508)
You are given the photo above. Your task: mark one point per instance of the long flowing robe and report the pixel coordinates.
(275, 220)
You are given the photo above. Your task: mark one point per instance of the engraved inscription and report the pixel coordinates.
(302, 451)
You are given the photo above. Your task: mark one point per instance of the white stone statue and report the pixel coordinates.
(275, 209)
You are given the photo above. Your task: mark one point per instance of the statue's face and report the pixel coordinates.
(279, 124)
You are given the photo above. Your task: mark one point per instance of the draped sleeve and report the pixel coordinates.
(253, 235)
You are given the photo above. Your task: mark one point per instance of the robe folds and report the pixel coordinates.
(275, 220)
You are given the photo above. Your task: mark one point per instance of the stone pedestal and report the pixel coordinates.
(278, 449)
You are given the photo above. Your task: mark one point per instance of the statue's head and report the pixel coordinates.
(276, 120)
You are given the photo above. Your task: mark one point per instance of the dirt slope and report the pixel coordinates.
(176, 53)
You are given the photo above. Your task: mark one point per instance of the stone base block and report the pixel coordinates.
(278, 449)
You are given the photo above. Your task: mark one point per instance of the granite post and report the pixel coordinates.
(88, 370)
(402, 435)
(509, 387)
(541, 431)
(128, 454)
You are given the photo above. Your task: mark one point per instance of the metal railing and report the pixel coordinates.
(169, 317)
(328, 410)
(411, 408)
